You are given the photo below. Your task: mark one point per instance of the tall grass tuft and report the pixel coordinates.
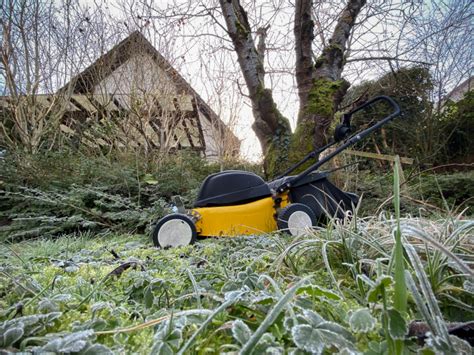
(400, 296)
(400, 292)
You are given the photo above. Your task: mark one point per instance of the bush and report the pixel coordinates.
(63, 192)
(423, 132)
(29, 213)
(456, 189)
(420, 191)
(459, 119)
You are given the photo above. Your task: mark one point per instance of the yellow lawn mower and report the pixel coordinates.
(233, 203)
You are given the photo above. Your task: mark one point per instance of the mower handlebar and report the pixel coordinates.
(349, 142)
(344, 129)
(388, 99)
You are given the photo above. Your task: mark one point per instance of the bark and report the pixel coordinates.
(271, 127)
(303, 30)
(262, 47)
(320, 84)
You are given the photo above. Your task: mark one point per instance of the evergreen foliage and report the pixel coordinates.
(424, 132)
(59, 193)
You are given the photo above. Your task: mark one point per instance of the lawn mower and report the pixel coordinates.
(233, 203)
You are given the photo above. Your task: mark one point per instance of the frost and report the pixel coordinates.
(73, 342)
(241, 331)
(9, 336)
(308, 339)
(361, 321)
(319, 333)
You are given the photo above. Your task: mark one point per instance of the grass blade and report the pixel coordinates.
(218, 310)
(271, 317)
(196, 288)
(400, 297)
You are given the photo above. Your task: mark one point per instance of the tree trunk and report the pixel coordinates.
(271, 127)
(320, 86)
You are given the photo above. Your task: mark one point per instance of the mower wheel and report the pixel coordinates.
(295, 219)
(174, 230)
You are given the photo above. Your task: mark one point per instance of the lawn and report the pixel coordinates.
(329, 291)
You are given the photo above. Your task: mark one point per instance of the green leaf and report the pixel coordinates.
(148, 296)
(400, 293)
(347, 351)
(33, 323)
(162, 349)
(71, 343)
(46, 305)
(11, 336)
(315, 290)
(375, 292)
(468, 286)
(397, 325)
(96, 349)
(264, 299)
(319, 333)
(461, 346)
(230, 298)
(313, 318)
(150, 179)
(248, 278)
(272, 316)
(241, 331)
(376, 348)
(453, 345)
(168, 337)
(335, 335)
(308, 339)
(267, 345)
(361, 321)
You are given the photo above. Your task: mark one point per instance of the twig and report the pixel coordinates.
(152, 322)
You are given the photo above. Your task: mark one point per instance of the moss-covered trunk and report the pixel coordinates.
(286, 148)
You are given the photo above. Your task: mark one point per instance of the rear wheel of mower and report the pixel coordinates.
(295, 219)
(174, 230)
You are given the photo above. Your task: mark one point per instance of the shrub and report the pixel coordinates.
(457, 189)
(62, 192)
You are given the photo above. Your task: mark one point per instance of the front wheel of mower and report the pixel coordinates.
(295, 219)
(174, 230)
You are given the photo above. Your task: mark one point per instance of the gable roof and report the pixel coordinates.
(136, 42)
(460, 90)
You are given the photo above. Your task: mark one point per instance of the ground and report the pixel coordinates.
(118, 293)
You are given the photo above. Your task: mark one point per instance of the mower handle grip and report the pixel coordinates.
(388, 99)
(344, 129)
(346, 117)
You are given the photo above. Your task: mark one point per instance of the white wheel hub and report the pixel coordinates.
(175, 232)
(298, 222)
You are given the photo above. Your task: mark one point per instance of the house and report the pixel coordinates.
(457, 94)
(133, 97)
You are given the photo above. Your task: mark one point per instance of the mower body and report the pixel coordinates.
(234, 203)
(251, 218)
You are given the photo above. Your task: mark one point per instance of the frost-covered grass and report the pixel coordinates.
(331, 290)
